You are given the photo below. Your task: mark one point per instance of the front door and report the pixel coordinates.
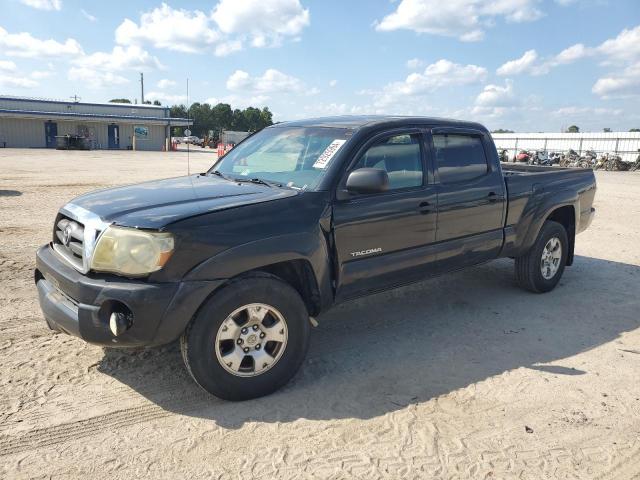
(384, 239)
(50, 132)
(114, 136)
(471, 198)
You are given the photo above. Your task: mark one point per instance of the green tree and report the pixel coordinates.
(634, 129)
(238, 121)
(606, 130)
(207, 118)
(502, 130)
(119, 100)
(573, 129)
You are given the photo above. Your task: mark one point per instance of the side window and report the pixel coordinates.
(399, 156)
(459, 157)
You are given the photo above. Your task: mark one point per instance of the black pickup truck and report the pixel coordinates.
(238, 261)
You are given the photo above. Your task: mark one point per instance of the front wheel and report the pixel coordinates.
(248, 340)
(541, 268)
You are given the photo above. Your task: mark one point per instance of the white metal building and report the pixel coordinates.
(28, 122)
(625, 144)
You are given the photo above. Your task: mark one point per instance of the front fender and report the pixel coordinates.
(307, 246)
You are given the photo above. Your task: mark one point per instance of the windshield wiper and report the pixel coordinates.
(219, 173)
(259, 181)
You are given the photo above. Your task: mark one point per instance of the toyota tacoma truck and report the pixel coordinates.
(236, 262)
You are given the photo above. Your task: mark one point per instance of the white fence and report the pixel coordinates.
(625, 144)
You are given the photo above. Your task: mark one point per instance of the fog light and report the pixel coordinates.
(120, 322)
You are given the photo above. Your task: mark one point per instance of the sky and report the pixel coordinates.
(524, 65)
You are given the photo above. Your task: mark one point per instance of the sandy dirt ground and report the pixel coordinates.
(462, 376)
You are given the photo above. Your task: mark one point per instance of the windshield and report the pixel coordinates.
(297, 157)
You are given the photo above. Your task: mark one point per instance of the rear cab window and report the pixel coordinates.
(459, 157)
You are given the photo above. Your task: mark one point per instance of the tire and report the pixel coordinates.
(528, 267)
(201, 349)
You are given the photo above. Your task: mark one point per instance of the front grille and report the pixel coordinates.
(68, 240)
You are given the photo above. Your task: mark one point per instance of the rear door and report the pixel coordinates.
(384, 239)
(471, 197)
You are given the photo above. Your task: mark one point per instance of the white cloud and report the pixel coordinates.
(12, 77)
(464, 19)
(101, 69)
(271, 81)
(574, 111)
(565, 3)
(621, 85)
(415, 64)
(166, 83)
(571, 54)
(165, 98)
(17, 81)
(329, 109)
(94, 78)
(88, 16)
(440, 74)
(622, 49)
(25, 45)
(619, 51)
(519, 65)
(497, 96)
(40, 74)
(43, 4)
(333, 83)
(531, 64)
(7, 66)
(172, 29)
(261, 23)
(496, 102)
(240, 101)
(120, 58)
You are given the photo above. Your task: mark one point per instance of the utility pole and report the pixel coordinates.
(75, 98)
(142, 87)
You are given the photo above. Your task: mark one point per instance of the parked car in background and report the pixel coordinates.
(193, 140)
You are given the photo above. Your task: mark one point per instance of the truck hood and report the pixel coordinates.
(158, 203)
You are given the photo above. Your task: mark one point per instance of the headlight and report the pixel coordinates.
(129, 251)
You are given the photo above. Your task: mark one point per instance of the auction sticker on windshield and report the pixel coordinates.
(325, 158)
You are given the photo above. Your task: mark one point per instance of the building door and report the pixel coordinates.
(50, 132)
(114, 136)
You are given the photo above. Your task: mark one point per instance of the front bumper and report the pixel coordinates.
(81, 305)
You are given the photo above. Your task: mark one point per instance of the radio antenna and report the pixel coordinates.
(188, 129)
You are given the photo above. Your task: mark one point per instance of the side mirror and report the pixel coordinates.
(367, 180)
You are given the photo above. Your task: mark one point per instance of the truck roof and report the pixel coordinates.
(359, 121)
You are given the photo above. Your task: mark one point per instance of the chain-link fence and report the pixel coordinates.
(625, 144)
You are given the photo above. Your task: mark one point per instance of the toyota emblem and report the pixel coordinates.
(66, 235)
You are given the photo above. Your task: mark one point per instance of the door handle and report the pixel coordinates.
(424, 207)
(493, 197)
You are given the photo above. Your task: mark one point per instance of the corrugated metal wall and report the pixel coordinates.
(20, 133)
(625, 144)
(71, 107)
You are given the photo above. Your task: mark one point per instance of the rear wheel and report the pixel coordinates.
(248, 340)
(541, 268)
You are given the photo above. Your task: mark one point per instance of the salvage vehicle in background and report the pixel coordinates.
(237, 261)
(635, 165)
